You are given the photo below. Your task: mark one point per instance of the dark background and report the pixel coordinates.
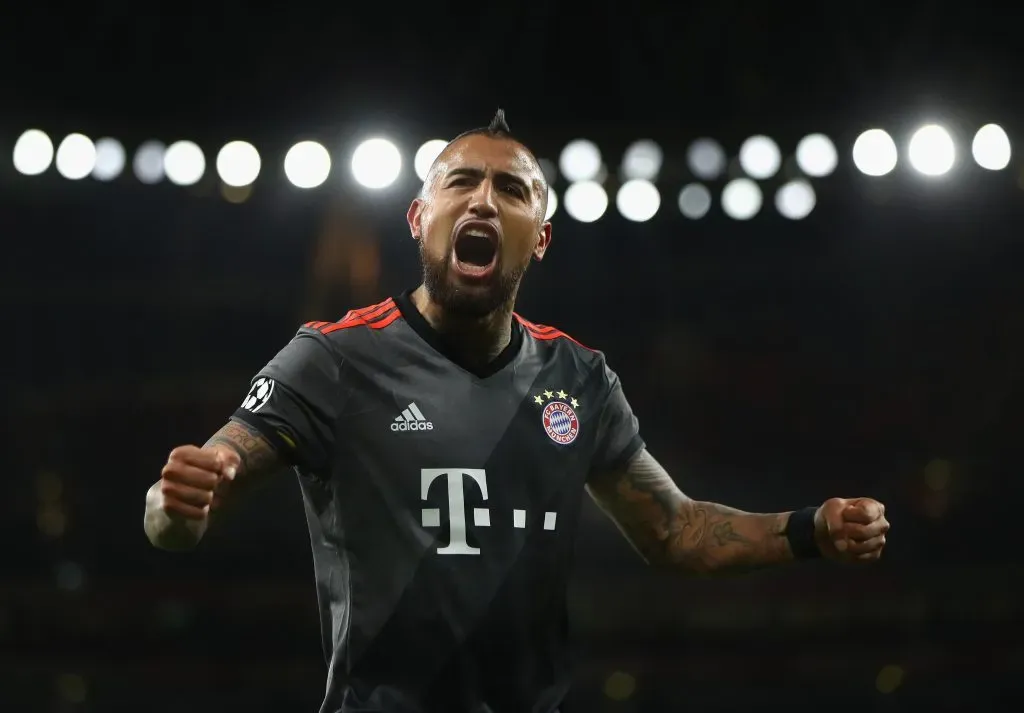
(874, 348)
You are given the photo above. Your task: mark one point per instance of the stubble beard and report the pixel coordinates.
(468, 304)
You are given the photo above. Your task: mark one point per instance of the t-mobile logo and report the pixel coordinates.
(457, 515)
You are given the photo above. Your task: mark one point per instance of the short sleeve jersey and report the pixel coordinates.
(442, 503)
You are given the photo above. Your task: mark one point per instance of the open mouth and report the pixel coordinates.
(476, 249)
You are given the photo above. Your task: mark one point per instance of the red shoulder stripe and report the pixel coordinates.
(314, 325)
(545, 333)
(376, 316)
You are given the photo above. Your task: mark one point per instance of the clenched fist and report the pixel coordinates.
(851, 530)
(193, 481)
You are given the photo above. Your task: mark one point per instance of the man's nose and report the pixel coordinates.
(482, 204)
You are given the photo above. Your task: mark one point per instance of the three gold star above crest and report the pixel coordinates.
(548, 394)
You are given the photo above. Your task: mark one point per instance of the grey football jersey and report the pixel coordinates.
(442, 503)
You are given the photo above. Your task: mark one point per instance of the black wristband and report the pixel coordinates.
(800, 534)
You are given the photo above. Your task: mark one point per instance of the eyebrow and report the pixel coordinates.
(480, 173)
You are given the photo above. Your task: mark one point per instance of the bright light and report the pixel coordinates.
(552, 203)
(426, 155)
(991, 147)
(694, 201)
(184, 163)
(76, 157)
(706, 159)
(795, 200)
(33, 153)
(307, 164)
(585, 201)
(931, 150)
(580, 161)
(110, 159)
(148, 163)
(238, 164)
(638, 200)
(816, 155)
(760, 157)
(874, 153)
(376, 163)
(741, 199)
(642, 161)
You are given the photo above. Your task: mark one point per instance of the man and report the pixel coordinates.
(442, 443)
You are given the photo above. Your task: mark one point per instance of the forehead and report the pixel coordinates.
(491, 155)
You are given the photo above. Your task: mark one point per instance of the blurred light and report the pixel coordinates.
(938, 474)
(741, 199)
(580, 161)
(760, 157)
(235, 194)
(642, 161)
(694, 201)
(706, 159)
(620, 686)
(148, 163)
(238, 164)
(33, 153)
(795, 200)
(874, 153)
(70, 576)
(426, 155)
(307, 164)
(376, 163)
(110, 159)
(51, 521)
(889, 679)
(931, 150)
(71, 687)
(638, 200)
(76, 157)
(552, 203)
(991, 147)
(816, 155)
(585, 201)
(184, 163)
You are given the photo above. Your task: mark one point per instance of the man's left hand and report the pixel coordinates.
(851, 530)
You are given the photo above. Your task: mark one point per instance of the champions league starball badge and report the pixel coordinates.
(559, 417)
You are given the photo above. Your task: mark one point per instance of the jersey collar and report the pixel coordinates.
(419, 324)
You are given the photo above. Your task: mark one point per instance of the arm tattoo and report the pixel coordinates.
(258, 457)
(668, 528)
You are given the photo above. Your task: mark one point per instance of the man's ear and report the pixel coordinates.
(543, 241)
(415, 218)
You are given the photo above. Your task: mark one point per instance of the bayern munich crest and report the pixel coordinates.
(559, 416)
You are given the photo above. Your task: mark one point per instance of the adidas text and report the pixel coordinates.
(413, 426)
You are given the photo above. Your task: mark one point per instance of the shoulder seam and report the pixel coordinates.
(375, 316)
(545, 333)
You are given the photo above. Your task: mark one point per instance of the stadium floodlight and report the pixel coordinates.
(638, 200)
(33, 153)
(795, 200)
(76, 157)
(642, 161)
(706, 159)
(931, 151)
(760, 157)
(552, 203)
(874, 153)
(816, 155)
(585, 201)
(110, 158)
(580, 161)
(238, 164)
(307, 164)
(991, 148)
(148, 162)
(376, 163)
(694, 201)
(741, 199)
(184, 163)
(426, 155)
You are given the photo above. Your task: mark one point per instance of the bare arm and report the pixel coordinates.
(198, 481)
(669, 529)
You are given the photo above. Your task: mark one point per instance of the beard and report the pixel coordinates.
(477, 302)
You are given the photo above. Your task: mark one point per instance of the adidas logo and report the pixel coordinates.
(412, 419)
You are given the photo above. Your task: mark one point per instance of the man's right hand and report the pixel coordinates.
(194, 480)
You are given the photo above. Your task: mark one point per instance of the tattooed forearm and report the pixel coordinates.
(258, 457)
(668, 528)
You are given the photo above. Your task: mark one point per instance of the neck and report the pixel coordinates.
(477, 340)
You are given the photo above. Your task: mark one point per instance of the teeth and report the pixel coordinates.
(477, 233)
